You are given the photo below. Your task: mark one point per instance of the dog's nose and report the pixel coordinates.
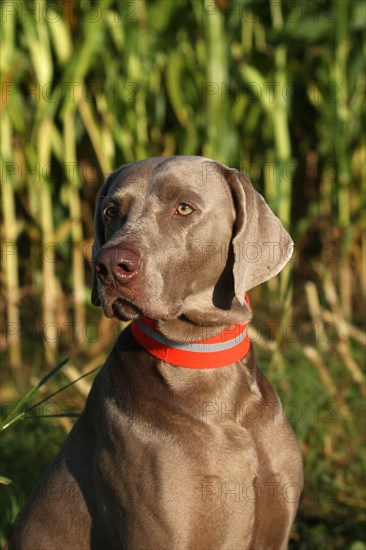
(116, 264)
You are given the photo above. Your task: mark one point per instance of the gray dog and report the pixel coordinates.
(183, 444)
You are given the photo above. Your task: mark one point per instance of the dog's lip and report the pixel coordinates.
(119, 301)
(133, 310)
(113, 298)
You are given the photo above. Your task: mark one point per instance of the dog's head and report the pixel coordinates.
(183, 236)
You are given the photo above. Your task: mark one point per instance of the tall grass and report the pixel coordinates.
(274, 88)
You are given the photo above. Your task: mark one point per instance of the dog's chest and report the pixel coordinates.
(171, 482)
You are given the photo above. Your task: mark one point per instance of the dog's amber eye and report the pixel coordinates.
(184, 209)
(111, 212)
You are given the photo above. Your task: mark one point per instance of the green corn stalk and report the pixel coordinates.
(38, 158)
(49, 279)
(136, 79)
(174, 81)
(94, 134)
(10, 266)
(339, 72)
(280, 193)
(341, 146)
(218, 133)
(74, 203)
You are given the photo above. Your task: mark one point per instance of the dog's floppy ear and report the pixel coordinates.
(261, 244)
(99, 238)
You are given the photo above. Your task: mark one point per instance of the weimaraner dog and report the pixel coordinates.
(183, 444)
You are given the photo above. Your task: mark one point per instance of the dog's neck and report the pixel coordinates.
(199, 346)
(206, 320)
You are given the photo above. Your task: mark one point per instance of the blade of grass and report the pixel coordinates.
(33, 407)
(18, 413)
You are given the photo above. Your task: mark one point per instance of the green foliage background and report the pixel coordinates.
(275, 88)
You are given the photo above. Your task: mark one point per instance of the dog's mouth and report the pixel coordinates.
(125, 310)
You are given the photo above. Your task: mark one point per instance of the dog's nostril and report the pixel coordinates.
(101, 270)
(128, 266)
(124, 266)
